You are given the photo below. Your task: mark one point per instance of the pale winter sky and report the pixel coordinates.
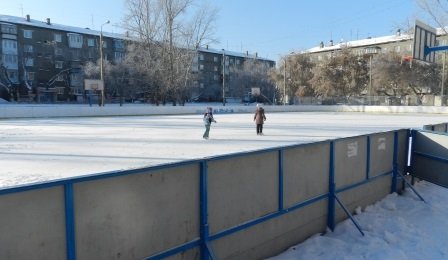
(269, 27)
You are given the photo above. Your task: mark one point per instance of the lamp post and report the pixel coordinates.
(443, 78)
(223, 78)
(101, 61)
(284, 76)
(371, 50)
(284, 84)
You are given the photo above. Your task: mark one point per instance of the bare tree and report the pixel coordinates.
(395, 77)
(437, 10)
(253, 74)
(343, 75)
(165, 37)
(300, 75)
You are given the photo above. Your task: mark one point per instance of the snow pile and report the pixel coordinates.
(397, 227)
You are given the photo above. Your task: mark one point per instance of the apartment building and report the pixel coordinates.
(400, 43)
(218, 71)
(42, 61)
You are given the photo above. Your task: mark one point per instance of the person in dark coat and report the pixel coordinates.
(208, 119)
(259, 119)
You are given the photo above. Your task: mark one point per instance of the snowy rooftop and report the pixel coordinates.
(370, 41)
(54, 26)
(87, 31)
(232, 53)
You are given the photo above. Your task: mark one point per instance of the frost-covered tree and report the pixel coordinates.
(166, 34)
(343, 75)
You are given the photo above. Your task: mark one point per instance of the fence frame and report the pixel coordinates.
(203, 242)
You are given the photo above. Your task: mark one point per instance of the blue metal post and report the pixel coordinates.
(331, 189)
(206, 252)
(368, 158)
(280, 180)
(427, 50)
(395, 164)
(413, 140)
(69, 222)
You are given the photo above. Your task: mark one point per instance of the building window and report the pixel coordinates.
(104, 44)
(75, 79)
(9, 28)
(118, 44)
(13, 76)
(58, 51)
(237, 62)
(9, 59)
(60, 91)
(30, 75)
(201, 57)
(75, 54)
(28, 34)
(91, 42)
(201, 85)
(118, 56)
(58, 37)
(201, 67)
(28, 48)
(59, 64)
(216, 68)
(9, 45)
(215, 59)
(215, 77)
(74, 40)
(29, 62)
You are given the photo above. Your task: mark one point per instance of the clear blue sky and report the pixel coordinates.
(270, 27)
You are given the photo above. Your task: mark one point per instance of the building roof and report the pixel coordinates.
(232, 53)
(370, 41)
(361, 43)
(54, 26)
(87, 31)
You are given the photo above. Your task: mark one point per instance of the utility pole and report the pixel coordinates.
(223, 78)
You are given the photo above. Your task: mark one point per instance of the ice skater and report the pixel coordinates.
(259, 119)
(208, 119)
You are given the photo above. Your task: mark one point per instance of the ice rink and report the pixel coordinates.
(35, 150)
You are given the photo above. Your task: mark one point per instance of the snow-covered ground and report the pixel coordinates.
(397, 227)
(35, 150)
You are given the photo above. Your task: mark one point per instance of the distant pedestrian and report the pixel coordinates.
(208, 119)
(259, 119)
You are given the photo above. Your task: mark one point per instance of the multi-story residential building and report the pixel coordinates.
(399, 43)
(218, 70)
(43, 61)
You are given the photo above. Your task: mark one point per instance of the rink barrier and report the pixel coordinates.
(442, 127)
(84, 110)
(430, 155)
(246, 205)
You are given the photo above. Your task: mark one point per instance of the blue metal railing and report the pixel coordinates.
(203, 243)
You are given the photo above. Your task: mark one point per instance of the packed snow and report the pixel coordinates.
(36, 150)
(397, 227)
